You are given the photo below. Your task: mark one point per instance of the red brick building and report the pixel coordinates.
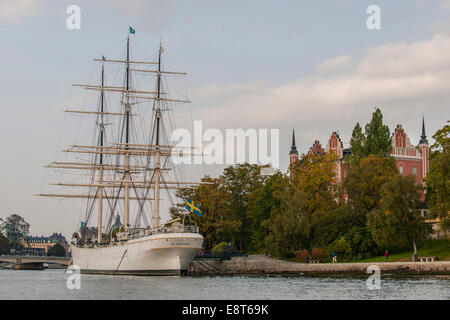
(409, 159)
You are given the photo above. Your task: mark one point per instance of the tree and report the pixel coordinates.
(307, 197)
(314, 175)
(213, 202)
(56, 250)
(16, 229)
(363, 181)
(341, 247)
(240, 181)
(4, 245)
(397, 220)
(336, 223)
(224, 203)
(357, 144)
(377, 137)
(376, 140)
(442, 144)
(262, 202)
(361, 243)
(437, 180)
(290, 226)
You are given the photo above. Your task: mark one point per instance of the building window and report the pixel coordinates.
(424, 213)
(414, 170)
(400, 169)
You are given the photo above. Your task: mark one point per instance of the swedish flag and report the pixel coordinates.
(132, 31)
(192, 207)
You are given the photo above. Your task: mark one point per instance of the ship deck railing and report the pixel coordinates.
(139, 233)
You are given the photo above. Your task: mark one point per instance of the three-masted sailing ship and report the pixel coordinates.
(124, 171)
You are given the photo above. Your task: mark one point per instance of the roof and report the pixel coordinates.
(317, 148)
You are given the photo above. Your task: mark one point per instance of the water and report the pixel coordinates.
(51, 284)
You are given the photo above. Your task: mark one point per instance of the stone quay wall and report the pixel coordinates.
(263, 265)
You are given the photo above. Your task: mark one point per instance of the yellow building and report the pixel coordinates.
(45, 243)
(437, 233)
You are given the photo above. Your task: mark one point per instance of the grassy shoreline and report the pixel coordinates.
(430, 248)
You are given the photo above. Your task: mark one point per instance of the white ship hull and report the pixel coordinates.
(157, 254)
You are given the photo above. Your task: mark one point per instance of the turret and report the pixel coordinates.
(424, 150)
(293, 154)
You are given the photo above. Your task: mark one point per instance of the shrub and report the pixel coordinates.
(221, 247)
(341, 247)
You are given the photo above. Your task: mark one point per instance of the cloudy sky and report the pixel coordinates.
(312, 65)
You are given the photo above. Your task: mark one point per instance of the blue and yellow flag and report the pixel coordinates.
(192, 207)
(132, 31)
(83, 225)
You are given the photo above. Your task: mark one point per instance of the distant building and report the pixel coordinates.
(437, 232)
(117, 224)
(44, 243)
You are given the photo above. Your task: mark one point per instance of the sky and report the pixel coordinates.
(309, 65)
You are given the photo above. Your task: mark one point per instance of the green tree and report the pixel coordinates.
(240, 181)
(314, 175)
(397, 220)
(290, 226)
(262, 202)
(336, 223)
(361, 243)
(57, 250)
(437, 180)
(377, 137)
(442, 141)
(224, 203)
(212, 198)
(16, 229)
(363, 181)
(357, 145)
(307, 197)
(341, 247)
(4, 245)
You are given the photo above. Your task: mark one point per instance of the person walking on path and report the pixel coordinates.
(333, 255)
(386, 254)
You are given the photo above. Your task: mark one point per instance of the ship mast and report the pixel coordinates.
(100, 173)
(157, 157)
(119, 188)
(127, 134)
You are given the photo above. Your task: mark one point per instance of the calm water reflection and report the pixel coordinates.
(51, 284)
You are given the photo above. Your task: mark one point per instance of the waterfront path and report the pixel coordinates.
(259, 264)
